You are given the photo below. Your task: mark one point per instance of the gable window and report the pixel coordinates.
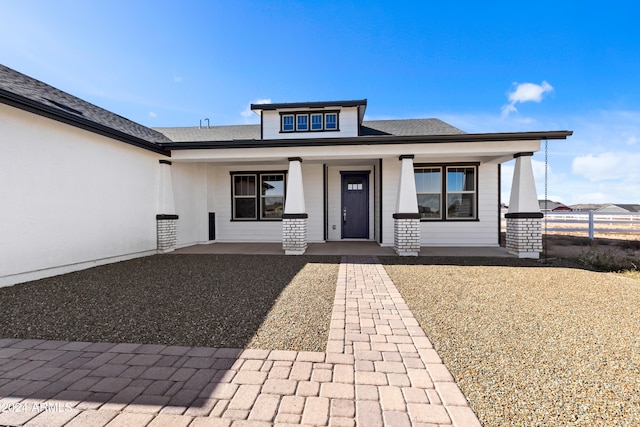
(257, 196)
(302, 121)
(287, 122)
(309, 122)
(331, 121)
(447, 192)
(316, 122)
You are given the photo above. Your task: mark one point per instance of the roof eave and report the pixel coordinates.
(315, 104)
(26, 104)
(371, 140)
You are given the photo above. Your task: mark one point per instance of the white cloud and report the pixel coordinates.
(248, 114)
(152, 114)
(525, 92)
(608, 166)
(177, 79)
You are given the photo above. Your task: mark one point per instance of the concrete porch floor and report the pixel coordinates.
(341, 248)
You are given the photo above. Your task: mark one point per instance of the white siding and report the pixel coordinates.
(348, 123)
(483, 232)
(390, 182)
(70, 199)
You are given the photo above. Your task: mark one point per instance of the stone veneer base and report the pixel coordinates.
(294, 236)
(406, 236)
(524, 237)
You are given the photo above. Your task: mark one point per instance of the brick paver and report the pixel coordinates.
(379, 368)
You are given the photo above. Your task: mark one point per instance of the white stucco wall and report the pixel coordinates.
(70, 199)
(347, 122)
(190, 195)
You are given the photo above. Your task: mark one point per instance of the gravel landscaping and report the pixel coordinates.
(531, 344)
(267, 301)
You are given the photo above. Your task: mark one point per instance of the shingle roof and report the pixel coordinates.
(41, 94)
(409, 127)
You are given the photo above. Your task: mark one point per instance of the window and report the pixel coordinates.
(461, 192)
(309, 122)
(302, 121)
(429, 189)
(455, 190)
(331, 121)
(272, 196)
(316, 122)
(251, 204)
(287, 122)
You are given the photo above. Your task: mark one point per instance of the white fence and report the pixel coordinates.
(590, 223)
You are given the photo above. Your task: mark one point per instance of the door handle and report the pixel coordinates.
(344, 215)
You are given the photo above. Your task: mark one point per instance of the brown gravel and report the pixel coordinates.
(531, 345)
(191, 300)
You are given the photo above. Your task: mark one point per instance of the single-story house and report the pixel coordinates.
(551, 206)
(83, 186)
(608, 208)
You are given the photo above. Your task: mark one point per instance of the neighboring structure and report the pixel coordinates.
(88, 186)
(607, 207)
(551, 206)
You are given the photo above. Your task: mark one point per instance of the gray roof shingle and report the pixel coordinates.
(409, 127)
(13, 82)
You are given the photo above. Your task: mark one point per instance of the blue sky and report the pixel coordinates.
(481, 66)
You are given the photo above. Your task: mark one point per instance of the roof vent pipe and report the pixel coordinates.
(208, 125)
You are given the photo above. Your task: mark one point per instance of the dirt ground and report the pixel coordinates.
(571, 247)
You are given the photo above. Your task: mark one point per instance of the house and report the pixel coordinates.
(551, 206)
(84, 186)
(608, 208)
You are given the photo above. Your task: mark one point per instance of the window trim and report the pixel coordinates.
(309, 115)
(444, 167)
(258, 196)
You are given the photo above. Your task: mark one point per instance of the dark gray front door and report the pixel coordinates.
(355, 205)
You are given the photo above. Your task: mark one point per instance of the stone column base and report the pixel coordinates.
(166, 229)
(294, 234)
(524, 234)
(406, 234)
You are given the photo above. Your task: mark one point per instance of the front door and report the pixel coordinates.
(355, 205)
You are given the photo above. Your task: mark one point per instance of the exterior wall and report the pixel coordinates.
(348, 124)
(334, 200)
(219, 197)
(190, 196)
(70, 199)
(483, 232)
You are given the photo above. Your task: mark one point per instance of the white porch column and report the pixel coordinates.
(294, 218)
(406, 230)
(524, 219)
(166, 219)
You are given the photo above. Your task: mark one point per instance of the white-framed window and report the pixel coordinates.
(302, 122)
(309, 122)
(253, 203)
(331, 121)
(287, 122)
(447, 192)
(461, 192)
(316, 121)
(429, 190)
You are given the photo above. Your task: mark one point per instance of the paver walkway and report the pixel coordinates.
(379, 369)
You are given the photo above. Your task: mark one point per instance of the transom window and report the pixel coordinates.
(251, 202)
(309, 122)
(456, 190)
